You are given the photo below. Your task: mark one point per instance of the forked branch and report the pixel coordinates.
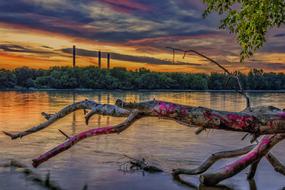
(277, 165)
(263, 148)
(135, 114)
(212, 160)
(232, 75)
(85, 105)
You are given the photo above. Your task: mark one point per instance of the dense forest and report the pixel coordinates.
(121, 78)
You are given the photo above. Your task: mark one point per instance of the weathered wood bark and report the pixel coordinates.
(277, 165)
(83, 135)
(104, 109)
(264, 120)
(262, 148)
(252, 170)
(213, 159)
(259, 121)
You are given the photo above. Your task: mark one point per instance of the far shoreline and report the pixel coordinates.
(131, 90)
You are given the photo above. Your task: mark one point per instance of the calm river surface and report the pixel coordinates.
(95, 161)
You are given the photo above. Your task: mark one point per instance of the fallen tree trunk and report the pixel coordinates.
(260, 121)
(257, 121)
(262, 148)
(83, 135)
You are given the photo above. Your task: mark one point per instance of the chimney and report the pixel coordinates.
(108, 60)
(74, 56)
(99, 59)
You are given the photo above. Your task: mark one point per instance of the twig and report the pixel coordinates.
(135, 114)
(277, 165)
(64, 134)
(213, 159)
(233, 75)
(252, 170)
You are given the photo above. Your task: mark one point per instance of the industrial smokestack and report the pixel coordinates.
(108, 60)
(74, 56)
(99, 59)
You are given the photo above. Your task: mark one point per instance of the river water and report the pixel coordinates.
(95, 162)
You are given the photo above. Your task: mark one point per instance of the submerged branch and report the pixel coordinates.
(261, 149)
(277, 165)
(85, 105)
(263, 120)
(213, 159)
(85, 134)
(140, 164)
(252, 170)
(232, 75)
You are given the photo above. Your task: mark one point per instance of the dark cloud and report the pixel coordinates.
(279, 35)
(122, 57)
(127, 5)
(147, 25)
(267, 66)
(105, 19)
(20, 49)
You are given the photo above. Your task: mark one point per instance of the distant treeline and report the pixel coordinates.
(120, 78)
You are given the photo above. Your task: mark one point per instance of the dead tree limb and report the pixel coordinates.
(277, 165)
(262, 120)
(232, 75)
(85, 134)
(257, 121)
(106, 109)
(52, 118)
(213, 159)
(31, 176)
(262, 148)
(139, 164)
(252, 170)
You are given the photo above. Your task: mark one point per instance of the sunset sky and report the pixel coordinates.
(41, 33)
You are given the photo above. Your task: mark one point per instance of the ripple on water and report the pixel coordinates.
(95, 161)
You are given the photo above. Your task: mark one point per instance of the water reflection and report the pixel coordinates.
(95, 161)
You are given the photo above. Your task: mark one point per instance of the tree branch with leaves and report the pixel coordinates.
(248, 20)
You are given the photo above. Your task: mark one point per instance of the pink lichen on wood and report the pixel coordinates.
(282, 115)
(240, 121)
(233, 120)
(165, 109)
(249, 157)
(71, 141)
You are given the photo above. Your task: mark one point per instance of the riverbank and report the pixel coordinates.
(135, 90)
(161, 142)
(121, 78)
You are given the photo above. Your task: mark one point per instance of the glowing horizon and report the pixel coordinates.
(38, 34)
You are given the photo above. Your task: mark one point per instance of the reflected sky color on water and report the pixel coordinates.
(96, 161)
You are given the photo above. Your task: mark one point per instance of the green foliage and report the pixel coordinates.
(120, 78)
(249, 20)
(24, 76)
(7, 79)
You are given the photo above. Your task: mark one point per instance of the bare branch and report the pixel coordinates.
(235, 76)
(64, 134)
(261, 149)
(141, 164)
(106, 109)
(277, 165)
(86, 104)
(252, 170)
(46, 115)
(213, 159)
(85, 134)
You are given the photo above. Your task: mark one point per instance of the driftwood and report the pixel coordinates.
(134, 164)
(268, 121)
(31, 176)
(265, 121)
